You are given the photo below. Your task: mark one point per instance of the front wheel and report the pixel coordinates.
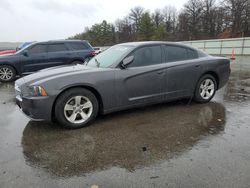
(205, 89)
(76, 108)
(7, 73)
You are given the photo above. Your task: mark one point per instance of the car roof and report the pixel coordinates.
(59, 41)
(144, 43)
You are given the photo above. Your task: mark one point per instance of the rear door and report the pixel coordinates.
(58, 54)
(141, 82)
(35, 59)
(81, 50)
(183, 67)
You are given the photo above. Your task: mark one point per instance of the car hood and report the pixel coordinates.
(53, 72)
(4, 57)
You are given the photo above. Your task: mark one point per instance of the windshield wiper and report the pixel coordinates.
(97, 63)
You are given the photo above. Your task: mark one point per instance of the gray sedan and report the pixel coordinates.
(124, 76)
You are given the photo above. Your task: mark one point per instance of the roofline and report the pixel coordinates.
(53, 41)
(144, 43)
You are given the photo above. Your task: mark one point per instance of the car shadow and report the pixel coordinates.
(130, 139)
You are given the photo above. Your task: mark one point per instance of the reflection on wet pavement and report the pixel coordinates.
(149, 135)
(175, 144)
(238, 88)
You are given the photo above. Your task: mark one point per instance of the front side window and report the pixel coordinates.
(38, 48)
(145, 56)
(56, 47)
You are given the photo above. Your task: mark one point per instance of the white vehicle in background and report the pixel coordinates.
(100, 49)
(97, 50)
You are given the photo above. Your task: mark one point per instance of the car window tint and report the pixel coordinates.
(146, 56)
(39, 48)
(78, 46)
(176, 53)
(192, 54)
(56, 47)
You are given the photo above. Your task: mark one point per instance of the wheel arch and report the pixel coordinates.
(6, 64)
(92, 89)
(214, 74)
(77, 59)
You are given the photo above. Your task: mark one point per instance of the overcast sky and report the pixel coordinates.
(39, 20)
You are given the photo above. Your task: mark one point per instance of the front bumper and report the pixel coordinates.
(36, 108)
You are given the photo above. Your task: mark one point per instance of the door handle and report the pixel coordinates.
(197, 66)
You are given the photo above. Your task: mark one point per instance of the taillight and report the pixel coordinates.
(92, 53)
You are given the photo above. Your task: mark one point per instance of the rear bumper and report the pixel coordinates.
(36, 108)
(224, 77)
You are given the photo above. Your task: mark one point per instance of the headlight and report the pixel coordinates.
(35, 91)
(17, 88)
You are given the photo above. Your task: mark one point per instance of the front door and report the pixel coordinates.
(35, 59)
(141, 82)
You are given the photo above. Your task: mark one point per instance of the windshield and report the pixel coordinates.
(110, 56)
(24, 47)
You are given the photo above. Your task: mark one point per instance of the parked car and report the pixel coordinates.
(124, 76)
(42, 55)
(97, 50)
(7, 52)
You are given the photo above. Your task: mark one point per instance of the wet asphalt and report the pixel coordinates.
(177, 144)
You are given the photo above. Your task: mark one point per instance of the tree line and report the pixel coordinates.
(198, 19)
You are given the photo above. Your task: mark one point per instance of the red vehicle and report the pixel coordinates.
(7, 52)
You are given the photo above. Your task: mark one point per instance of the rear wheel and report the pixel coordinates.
(205, 89)
(76, 108)
(7, 73)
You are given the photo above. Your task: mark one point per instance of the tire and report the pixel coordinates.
(205, 89)
(7, 73)
(71, 108)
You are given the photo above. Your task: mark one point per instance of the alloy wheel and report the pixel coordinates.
(78, 109)
(207, 88)
(6, 73)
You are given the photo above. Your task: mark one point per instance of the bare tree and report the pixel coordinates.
(208, 19)
(193, 11)
(157, 17)
(135, 15)
(170, 18)
(124, 31)
(182, 27)
(237, 11)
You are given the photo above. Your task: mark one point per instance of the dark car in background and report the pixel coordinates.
(124, 76)
(41, 55)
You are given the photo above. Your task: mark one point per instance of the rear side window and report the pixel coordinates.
(38, 48)
(176, 53)
(78, 46)
(147, 56)
(192, 54)
(57, 47)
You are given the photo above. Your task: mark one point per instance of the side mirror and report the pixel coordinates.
(25, 53)
(127, 61)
